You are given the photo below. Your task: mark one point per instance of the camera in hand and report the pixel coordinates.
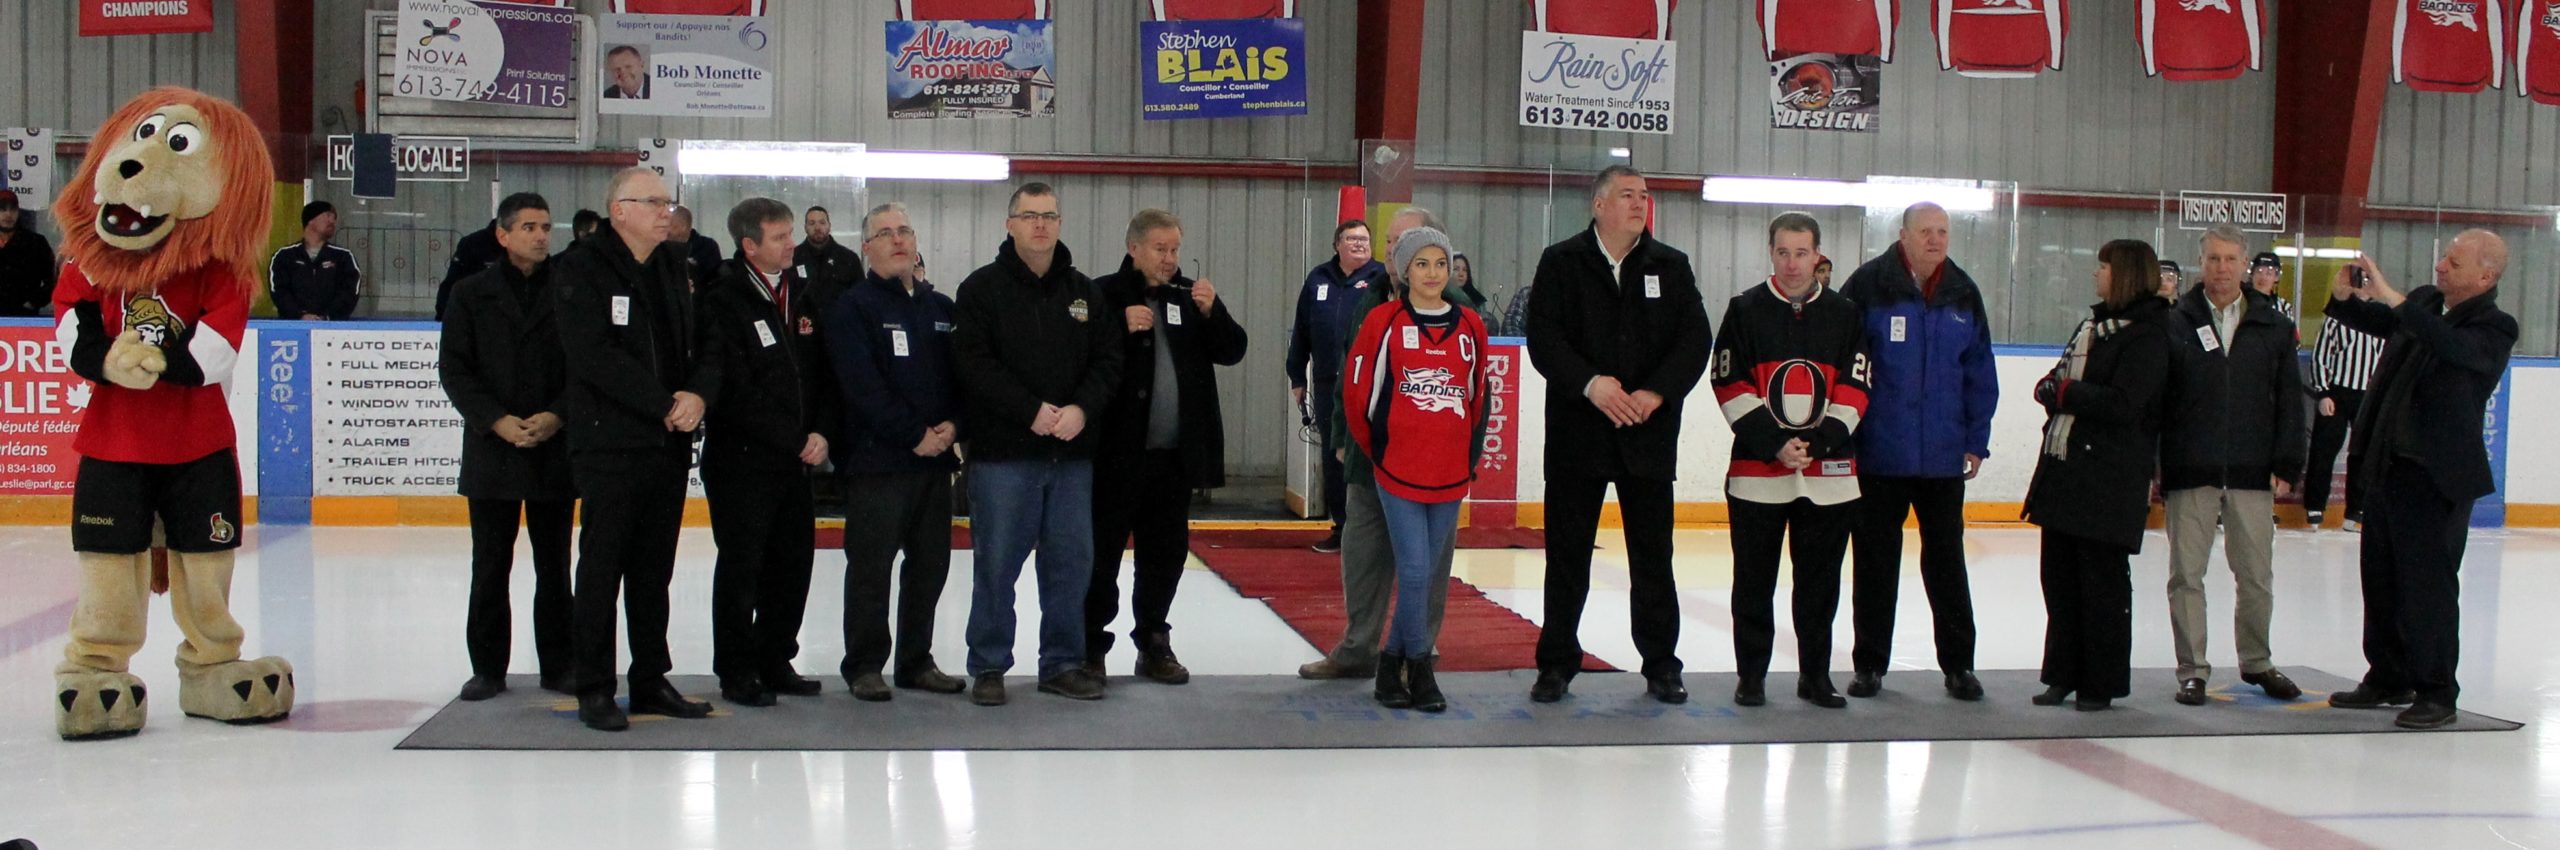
(2356, 277)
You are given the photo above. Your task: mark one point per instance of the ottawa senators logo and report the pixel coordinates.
(150, 317)
(1797, 393)
(222, 531)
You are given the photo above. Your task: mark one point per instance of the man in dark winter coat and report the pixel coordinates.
(1621, 333)
(1928, 429)
(2418, 443)
(1162, 438)
(501, 364)
(1329, 313)
(315, 279)
(768, 432)
(1038, 360)
(2236, 432)
(830, 268)
(639, 382)
(27, 264)
(474, 252)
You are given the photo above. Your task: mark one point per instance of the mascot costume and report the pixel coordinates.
(161, 228)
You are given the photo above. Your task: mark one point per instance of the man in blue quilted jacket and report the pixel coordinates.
(1928, 427)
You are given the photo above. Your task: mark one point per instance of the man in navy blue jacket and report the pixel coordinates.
(890, 340)
(1928, 427)
(1328, 315)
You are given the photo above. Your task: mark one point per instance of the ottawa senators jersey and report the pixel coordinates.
(2200, 39)
(1999, 38)
(197, 320)
(1784, 372)
(1855, 27)
(2449, 45)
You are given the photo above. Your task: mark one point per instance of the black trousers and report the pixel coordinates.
(2412, 563)
(1653, 598)
(1327, 397)
(1814, 537)
(764, 520)
(627, 550)
(2088, 615)
(1876, 580)
(2328, 435)
(1145, 500)
(885, 515)
(488, 631)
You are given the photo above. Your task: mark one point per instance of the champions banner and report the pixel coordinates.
(145, 17)
(1241, 68)
(971, 69)
(1826, 91)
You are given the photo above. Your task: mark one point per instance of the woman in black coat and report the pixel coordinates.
(2092, 488)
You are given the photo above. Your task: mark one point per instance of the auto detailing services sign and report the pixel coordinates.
(972, 69)
(1590, 82)
(1244, 68)
(1826, 91)
(144, 17)
(479, 52)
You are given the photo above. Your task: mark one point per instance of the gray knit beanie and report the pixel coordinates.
(1411, 244)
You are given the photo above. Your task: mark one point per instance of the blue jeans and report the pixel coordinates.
(1418, 532)
(1014, 508)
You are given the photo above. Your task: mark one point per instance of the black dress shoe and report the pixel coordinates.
(1551, 686)
(1331, 543)
(788, 682)
(660, 697)
(559, 683)
(2053, 695)
(746, 692)
(2368, 696)
(1666, 688)
(869, 687)
(2275, 683)
(598, 712)
(1750, 693)
(2090, 703)
(933, 681)
(988, 690)
(2191, 692)
(1866, 683)
(1962, 685)
(2425, 715)
(1076, 684)
(483, 687)
(1818, 690)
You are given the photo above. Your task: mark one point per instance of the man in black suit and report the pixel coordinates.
(501, 365)
(639, 381)
(1619, 330)
(2418, 445)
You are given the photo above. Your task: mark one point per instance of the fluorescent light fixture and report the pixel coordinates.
(1621, 153)
(822, 159)
(1779, 191)
(2317, 253)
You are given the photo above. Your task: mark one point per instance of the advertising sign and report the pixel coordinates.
(1591, 82)
(1826, 91)
(971, 69)
(693, 66)
(1224, 68)
(485, 52)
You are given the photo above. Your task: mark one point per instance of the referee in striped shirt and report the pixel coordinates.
(2341, 363)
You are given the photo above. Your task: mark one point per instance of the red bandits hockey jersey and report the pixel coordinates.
(2200, 39)
(1786, 372)
(1856, 27)
(1413, 398)
(2449, 45)
(1614, 18)
(1211, 10)
(197, 319)
(973, 10)
(2538, 51)
(1999, 38)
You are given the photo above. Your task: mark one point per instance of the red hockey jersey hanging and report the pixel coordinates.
(2538, 52)
(2449, 45)
(2201, 39)
(1220, 10)
(1854, 27)
(973, 10)
(1614, 18)
(1999, 38)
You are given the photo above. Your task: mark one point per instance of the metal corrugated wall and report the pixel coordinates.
(52, 77)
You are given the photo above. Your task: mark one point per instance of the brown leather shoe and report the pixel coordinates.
(933, 681)
(1157, 663)
(1327, 668)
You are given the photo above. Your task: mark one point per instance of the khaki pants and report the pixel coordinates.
(2248, 519)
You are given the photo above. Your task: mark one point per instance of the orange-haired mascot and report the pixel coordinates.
(162, 228)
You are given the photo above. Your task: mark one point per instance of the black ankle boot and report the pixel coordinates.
(1425, 688)
(2053, 695)
(1391, 687)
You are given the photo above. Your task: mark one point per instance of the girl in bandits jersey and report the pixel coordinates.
(1413, 392)
(2092, 488)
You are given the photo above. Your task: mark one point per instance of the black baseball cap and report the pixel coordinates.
(2171, 266)
(2265, 260)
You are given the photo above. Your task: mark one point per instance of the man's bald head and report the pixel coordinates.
(2471, 265)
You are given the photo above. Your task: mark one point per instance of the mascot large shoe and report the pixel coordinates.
(161, 228)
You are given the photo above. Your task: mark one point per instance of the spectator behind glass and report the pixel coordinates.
(26, 262)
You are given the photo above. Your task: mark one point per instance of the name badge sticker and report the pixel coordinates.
(898, 343)
(622, 310)
(1323, 290)
(764, 333)
(1173, 314)
(1653, 286)
(1898, 328)
(1412, 337)
(2212, 342)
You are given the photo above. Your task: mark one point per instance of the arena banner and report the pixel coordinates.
(1590, 82)
(40, 405)
(1827, 91)
(1494, 500)
(485, 52)
(1243, 68)
(693, 66)
(971, 69)
(29, 166)
(2252, 212)
(380, 422)
(2491, 510)
(145, 17)
(688, 7)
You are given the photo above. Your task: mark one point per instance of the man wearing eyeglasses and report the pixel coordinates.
(892, 356)
(638, 386)
(1038, 357)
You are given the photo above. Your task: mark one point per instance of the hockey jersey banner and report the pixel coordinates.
(973, 10)
(1999, 38)
(1853, 27)
(2200, 39)
(2449, 45)
(1220, 10)
(2538, 51)
(1612, 18)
